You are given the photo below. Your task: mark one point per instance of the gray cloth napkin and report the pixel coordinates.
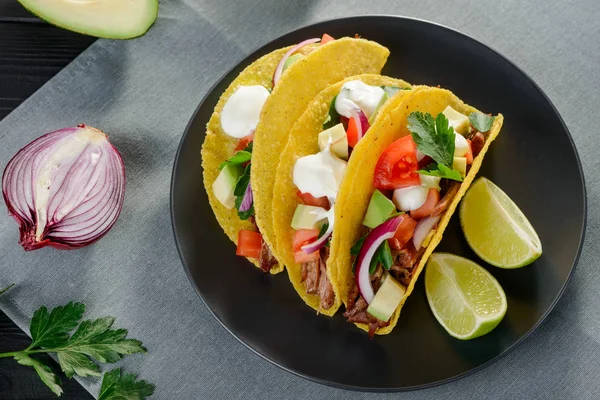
(143, 92)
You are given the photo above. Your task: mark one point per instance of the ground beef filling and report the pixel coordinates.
(314, 276)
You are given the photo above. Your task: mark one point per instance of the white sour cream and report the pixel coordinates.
(320, 174)
(358, 93)
(241, 112)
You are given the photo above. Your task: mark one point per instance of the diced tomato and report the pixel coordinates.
(302, 237)
(397, 166)
(404, 233)
(433, 197)
(469, 154)
(309, 200)
(249, 244)
(243, 143)
(352, 133)
(326, 38)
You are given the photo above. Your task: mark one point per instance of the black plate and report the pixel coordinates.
(534, 160)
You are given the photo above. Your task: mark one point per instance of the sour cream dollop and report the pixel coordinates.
(358, 93)
(320, 174)
(241, 112)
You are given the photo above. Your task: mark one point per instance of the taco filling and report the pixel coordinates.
(238, 119)
(318, 177)
(416, 177)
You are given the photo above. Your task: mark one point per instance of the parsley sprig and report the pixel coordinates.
(92, 342)
(480, 121)
(434, 138)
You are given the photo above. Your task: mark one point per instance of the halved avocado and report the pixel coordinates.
(111, 19)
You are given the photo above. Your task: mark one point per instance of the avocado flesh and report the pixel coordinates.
(307, 217)
(339, 141)
(224, 186)
(380, 209)
(386, 299)
(111, 19)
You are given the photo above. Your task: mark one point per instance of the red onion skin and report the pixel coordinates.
(279, 68)
(248, 199)
(377, 236)
(27, 229)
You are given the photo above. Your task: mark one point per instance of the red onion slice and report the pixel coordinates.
(422, 230)
(372, 242)
(319, 243)
(361, 121)
(65, 189)
(247, 199)
(279, 69)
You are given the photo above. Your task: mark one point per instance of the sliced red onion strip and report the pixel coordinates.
(84, 183)
(279, 69)
(361, 121)
(372, 242)
(422, 230)
(319, 243)
(247, 199)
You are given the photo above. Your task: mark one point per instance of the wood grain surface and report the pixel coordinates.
(31, 52)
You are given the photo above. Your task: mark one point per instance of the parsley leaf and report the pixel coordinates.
(333, 118)
(442, 171)
(6, 289)
(482, 122)
(240, 190)
(93, 341)
(434, 137)
(123, 387)
(239, 157)
(45, 373)
(52, 329)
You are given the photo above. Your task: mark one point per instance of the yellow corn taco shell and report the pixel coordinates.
(327, 64)
(357, 188)
(303, 141)
(218, 146)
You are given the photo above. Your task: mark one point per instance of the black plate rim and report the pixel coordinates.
(255, 54)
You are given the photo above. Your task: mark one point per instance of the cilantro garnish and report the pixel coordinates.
(333, 118)
(79, 352)
(240, 190)
(482, 122)
(240, 157)
(434, 137)
(442, 171)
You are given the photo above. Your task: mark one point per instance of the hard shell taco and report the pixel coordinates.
(271, 92)
(312, 168)
(398, 197)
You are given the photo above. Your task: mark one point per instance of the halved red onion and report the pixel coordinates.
(279, 69)
(361, 121)
(247, 199)
(320, 242)
(422, 230)
(65, 189)
(367, 251)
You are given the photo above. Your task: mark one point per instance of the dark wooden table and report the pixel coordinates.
(31, 52)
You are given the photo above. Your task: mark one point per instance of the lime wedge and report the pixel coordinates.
(465, 299)
(496, 229)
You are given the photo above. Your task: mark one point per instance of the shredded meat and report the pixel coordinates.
(310, 275)
(443, 204)
(404, 262)
(314, 276)
(267, 261)
(477, 143)
(356, 309)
